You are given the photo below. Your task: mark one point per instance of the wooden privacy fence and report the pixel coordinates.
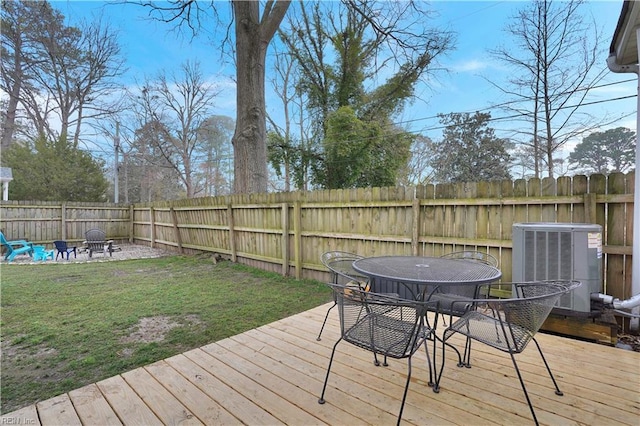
(43, 222)
(287, 232)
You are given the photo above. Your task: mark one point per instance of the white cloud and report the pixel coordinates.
(470, 66)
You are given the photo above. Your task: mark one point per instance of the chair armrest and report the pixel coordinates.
(23, 243)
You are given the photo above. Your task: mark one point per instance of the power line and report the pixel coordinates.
(521, 115)
(531, 99)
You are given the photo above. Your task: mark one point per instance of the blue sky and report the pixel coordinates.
(151, 46)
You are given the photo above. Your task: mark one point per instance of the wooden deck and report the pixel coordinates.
(273, 375)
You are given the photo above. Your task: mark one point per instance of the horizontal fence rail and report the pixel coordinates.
(287, 232)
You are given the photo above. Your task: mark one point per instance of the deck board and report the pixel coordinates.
(274, 374)
(92, 407)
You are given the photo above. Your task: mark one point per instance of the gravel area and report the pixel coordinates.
(127, 251)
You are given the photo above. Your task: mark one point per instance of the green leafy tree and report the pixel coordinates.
(602, 152)
(470, 150)
(285, 157)
(357, 154)
(342, 51)
(54, 171)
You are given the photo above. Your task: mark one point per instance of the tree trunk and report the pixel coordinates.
(249, 140)
(14, 96)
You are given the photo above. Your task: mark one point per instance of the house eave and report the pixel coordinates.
(623, 52)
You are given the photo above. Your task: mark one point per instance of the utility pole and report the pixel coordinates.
(116, 144)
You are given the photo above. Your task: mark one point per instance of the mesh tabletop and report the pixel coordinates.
(427, 270)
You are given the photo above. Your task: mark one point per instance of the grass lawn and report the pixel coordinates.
(68, 325)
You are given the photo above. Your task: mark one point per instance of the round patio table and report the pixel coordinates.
(412, 276)
(419, 278)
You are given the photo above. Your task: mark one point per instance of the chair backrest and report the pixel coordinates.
(95, 235)
(60, 245)
(465, 290)
(340, 264)
(5, 243)
(521, 317)
(380, 323)
(474, 256)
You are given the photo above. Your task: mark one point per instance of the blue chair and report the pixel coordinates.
(15, 247)
(63, 249)
(41, 253)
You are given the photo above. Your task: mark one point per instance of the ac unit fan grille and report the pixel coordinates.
(548, 256)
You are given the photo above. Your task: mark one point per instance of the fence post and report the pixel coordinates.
(590, 207)
(63, 225)
(297, 237)
(285, 239)
(176, 230)
(152, 220)
(232, 237)
(131, 228)
(415, 231)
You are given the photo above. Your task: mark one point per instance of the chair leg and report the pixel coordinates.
(558, 391)
(431, 372)
(325, 321)
(406, 389)
(524, 389)
(436, 386)
(326, 379)
(466, 358)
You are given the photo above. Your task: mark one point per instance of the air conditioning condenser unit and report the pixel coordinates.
(560, 251)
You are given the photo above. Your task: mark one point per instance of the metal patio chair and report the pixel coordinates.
(382, 324)
(451, 293)
(448, 294)
(472, 255)
(510, 324)
(340, 265)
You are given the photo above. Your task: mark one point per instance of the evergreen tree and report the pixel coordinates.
(470, 150)
(343, 54)
(602, 152)
(357, 154)
(54, 171)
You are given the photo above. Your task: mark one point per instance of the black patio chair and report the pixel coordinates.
(64, 249)
(446, 295)
(340, 265)
(472, 255)
(382, 324)
(510, 324)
